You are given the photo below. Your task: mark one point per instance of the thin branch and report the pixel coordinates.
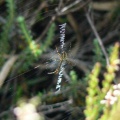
(98, 38)
(79, 64)
(58, 13)
(46, 29)
(69, 6)
(105, 6)
(73, 9)
(51, 21)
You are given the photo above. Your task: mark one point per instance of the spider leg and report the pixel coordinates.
(57, 70)
(54, 72)
(58, 53)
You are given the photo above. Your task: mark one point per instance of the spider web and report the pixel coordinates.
(45, 15)
(50, 63)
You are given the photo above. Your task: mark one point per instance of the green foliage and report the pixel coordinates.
(18, 93)
(34, 50)
(73, 76)
(109, 76)
(40, 16)
(98, 57)
(115, 112)
(9, 22)
(40, 94)
(33, 47)
(49, 38)
(92, 100)
(94, 108)
(116, 12)
(24, 29)
(6, 30)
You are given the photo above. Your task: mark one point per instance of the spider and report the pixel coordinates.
(62, 58)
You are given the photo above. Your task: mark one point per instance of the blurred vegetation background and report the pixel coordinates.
(29, 35)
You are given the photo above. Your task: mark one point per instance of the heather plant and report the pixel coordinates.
(34, 49)
(95, 109)
(7, 28)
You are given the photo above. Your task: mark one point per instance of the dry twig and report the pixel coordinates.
(6, 69)
(98, 38)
